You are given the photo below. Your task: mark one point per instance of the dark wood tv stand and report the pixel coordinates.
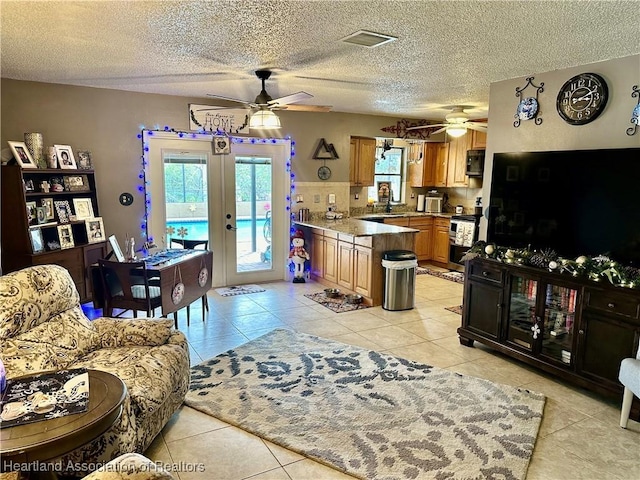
(576, 329)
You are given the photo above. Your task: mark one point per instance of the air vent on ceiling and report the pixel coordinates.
(368, 39)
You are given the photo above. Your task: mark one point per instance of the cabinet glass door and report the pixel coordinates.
(559, 318)
(522, 328)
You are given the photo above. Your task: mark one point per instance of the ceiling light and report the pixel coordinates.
(264, 119)
(456, 130)
(368, 39)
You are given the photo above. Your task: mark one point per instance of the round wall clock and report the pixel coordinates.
(126, 199)
(324, 173)
(582, 98)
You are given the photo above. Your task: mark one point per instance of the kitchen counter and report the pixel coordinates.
(355, 227)
(405, 214)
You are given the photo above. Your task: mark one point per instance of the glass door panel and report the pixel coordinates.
(559, 317)
(521, 328)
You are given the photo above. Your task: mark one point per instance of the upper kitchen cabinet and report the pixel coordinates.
(434, 160)
(362, 161)
(478, 140)
(457, 162)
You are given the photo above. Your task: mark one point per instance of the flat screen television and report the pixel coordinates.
(581, 202)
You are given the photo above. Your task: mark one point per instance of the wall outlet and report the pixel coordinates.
(332, 198)
(356, 196)
(316, 198)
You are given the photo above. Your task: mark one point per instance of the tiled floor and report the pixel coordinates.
(579, 437)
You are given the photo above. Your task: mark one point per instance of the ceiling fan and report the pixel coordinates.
(264, 101)
(457, 123)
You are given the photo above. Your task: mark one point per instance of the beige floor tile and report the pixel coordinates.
(453, 344)
(187, 422)
(301, 314)
(275, 474)
(391, 337)
(357, 340)
(361, 320)
(428, 353)
(225, 454)
(283, 455)
(429, 329)
(322, 327)
(158, 451)
(581, 400)
(558, 416)
(310, 470)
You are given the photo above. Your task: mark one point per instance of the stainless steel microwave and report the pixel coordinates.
(475, 163)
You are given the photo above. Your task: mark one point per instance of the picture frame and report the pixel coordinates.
(65, 233)
(95, 230)
(28, 186)
(47, 203)
(63, 209)
(83, 208)
(84, 160)
(115, 247)
(41, 215)
(76, 183)
(22, 155)
(31, 212)
(37, 242)
(66, 160)
(221, 145)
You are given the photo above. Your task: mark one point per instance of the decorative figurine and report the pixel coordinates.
(298, 256)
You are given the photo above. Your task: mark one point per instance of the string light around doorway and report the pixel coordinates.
(143, 187)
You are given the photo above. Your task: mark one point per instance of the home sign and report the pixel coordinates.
(217, 119)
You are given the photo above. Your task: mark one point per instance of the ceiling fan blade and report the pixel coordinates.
(293, 98)
(307, 108)
(427, 126)
(439, 131)
(240, 103)
(480, 127)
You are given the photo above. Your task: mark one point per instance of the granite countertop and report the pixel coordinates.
(404, 214)
(356, 227)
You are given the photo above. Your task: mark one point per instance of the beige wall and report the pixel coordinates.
(106, 122)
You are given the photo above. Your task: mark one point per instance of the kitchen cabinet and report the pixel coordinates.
(362, 161)
(345, 261)
(566, 326)
(441, 240)
(434, 159)
(331, 256)
(22, 188)
(398, 221)
(363, 263)
(457, 161)
(478, 140)
(317, 252)
(424, 238)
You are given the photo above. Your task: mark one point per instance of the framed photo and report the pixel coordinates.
(76, 183)
(65, 156)
(28, 186)
(37, 243)
(115, 246)
(22, 155)
(32, 213)
(221, 145)
(66, 236)
(41, 215)
(84, 160)
(47, 203)
(95, 230)
(63, 209)
(83, 208)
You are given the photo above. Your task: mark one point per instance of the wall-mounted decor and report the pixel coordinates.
(221, 145)
(207, 118)
(325, 151)
(528, 107)
(400, 129)
(582, 98)
(635, 114)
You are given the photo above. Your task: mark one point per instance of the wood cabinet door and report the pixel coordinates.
(363, 262)
(485, 301)
(345, 264)
(478, 140)
(353, 161)
(317, 255)
(415, 169)
(424, 242)
(399, 222)
(331, 259)
(435, 153)
(457, 164)
(441, 243)
(367, 161)
(440, 165)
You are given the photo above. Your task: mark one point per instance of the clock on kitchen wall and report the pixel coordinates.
(582, 98)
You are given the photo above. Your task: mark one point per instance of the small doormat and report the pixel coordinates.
(239, 290)
(452, 276)
(338, 305)
(455, 309)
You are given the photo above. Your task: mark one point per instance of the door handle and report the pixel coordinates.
(230, 227)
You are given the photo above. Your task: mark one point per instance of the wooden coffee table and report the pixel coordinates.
(48, 439)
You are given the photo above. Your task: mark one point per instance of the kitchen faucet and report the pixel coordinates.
(388, 207)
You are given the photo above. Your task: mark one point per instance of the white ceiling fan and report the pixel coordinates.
(264, 101)
(457, 123)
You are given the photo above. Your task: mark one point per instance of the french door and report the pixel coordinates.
(237, 202)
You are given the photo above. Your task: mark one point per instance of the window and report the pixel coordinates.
(388, 169)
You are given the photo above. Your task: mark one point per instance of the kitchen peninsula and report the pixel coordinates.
(347, 253)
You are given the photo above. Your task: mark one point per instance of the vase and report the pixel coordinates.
(35, 145)
(52, 159)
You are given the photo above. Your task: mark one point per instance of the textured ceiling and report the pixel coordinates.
(447, 52)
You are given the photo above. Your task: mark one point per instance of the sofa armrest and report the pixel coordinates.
(151, 332)
(130, 466)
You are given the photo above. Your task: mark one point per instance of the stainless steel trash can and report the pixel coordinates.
(399, 279)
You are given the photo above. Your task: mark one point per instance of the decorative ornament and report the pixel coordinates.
(553, 265)
(203, 276)
(177, 293)
(582, 98)
(635, 114)
(125, 199)
(581, 260)
(489, 249)
(324, 173)
(400, 129)
(536, 331)
(528, 107)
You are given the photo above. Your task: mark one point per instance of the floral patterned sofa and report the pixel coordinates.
(42, 327)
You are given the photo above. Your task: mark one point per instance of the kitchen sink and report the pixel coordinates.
(379, 217)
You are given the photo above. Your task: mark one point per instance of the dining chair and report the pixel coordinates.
(190, 244)
(629, 376)
(126, 285)
(193, 245)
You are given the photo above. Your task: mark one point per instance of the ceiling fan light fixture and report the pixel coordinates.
(263, 120)
(456, 130)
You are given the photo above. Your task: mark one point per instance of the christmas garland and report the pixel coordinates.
(594, 268)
